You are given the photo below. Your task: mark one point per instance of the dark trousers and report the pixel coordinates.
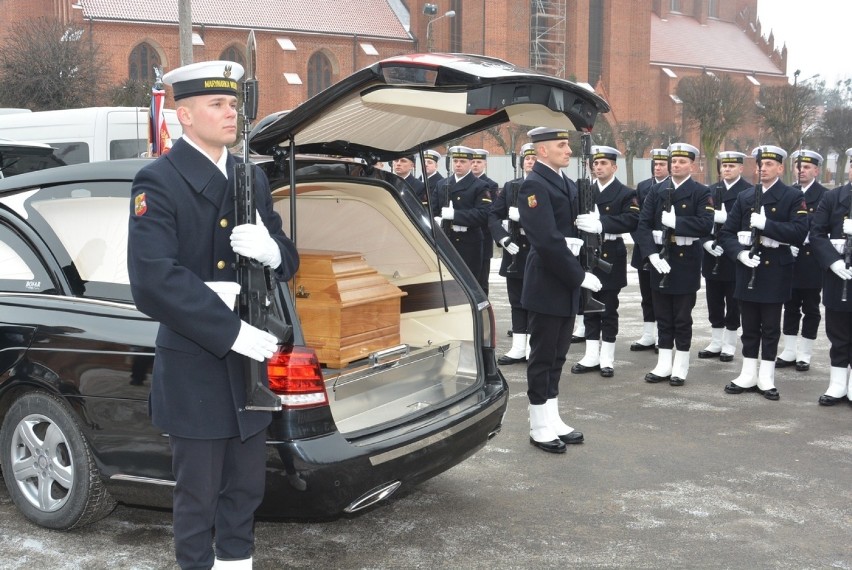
(485, 267)
(838, 329)
(804, 305)
(219, 485)
(471, 252)
(647, 297)
(761, 329)
(519, 314)
(674, 319)
(549, 343)
(603, 326)
(722, 309)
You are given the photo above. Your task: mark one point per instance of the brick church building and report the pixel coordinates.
(633, 52)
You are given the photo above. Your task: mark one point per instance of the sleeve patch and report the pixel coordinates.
(531, 201)
(140, 204)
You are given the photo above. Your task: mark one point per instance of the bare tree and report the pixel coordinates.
(716, 106)
(130, 93)
(786, 110)
(46, 64)
(636, 137)
(834, 132)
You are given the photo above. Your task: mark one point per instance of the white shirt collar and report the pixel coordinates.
(605, 186)
(223, 159)
(806, 188)
(682, 182)
(728, 186)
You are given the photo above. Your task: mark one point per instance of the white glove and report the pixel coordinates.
(750, 262)
(839, 268)
(591, 282)
(847, 226)
(437, 219)
(758, 220)
(794, 250)
(448, 213)
(589, 223)
(720, 216)
(714, 251)
(254, 241)
(661, 265)
(669, 219)
(509, 245)
(514, 214)
(254, 343)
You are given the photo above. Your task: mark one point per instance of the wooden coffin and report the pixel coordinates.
(347, 309)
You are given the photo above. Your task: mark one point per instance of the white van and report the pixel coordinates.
(89, 134)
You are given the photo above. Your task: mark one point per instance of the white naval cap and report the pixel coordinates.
(205, 78)
(807, 156)
(775, 153)
(480, 153)
(461, 152)
(540, 134)
(432, 155)
(608, 152)
(683, 149)
(659, 154)
(529, 150)
(731, 157)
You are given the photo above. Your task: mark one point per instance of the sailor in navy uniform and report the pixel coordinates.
(804, 302)
(477, 167)
(504, 223)
(719, 273)
(831, 239)
(462, 200)
(548, 209)
(616, 213)
(688, 219)
(432, 158)
(782, 220)
(648, 340)
(404, 168)
(182, 245)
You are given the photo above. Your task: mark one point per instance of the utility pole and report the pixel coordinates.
(185, 31)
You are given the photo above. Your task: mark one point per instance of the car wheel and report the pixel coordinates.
(48, 466)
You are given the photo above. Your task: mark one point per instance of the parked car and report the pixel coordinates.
(76, 355)
(18, 157)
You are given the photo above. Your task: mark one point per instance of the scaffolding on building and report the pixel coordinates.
(548, 22)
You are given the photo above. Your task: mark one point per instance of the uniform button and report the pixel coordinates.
(221, 264)
(680, 254)
(683, 205)
(223, 222)
(605, 254)
(766, 262)
(606, 209)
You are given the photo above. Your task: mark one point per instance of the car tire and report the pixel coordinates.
(48, 466)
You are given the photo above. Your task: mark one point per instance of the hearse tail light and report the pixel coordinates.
(295, 375)
(489, 325)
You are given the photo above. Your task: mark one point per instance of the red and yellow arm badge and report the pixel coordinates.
(531, 201)
(140, 206)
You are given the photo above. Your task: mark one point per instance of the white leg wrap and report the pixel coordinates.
(680, 367)
(838, 385)
(804, 349)
(789, 353)
(540, 429)
(607, 354)
(748, 376)
(715, 341)
(593, 353)
(766, 375)
(556, 423)
(519, 346)
(664, 363)
(729, 342)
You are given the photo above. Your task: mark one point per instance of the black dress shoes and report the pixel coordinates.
(724, 357)
(826, 400)
(772, 394)
(653, 378)
(505, 359)
(572, 437)
(509, 332)
(607, 372)
(576, 339)
(580, 369)
(734, 389)
(802, 366)
(639, 347)
(708, 354)
(555, 446)
(781, 363)
(675, 381)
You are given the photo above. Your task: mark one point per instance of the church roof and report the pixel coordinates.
(365, 18)
(683, 41)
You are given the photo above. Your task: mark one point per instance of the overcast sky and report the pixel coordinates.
(816, 32)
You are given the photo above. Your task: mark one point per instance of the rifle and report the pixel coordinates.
(719, 206)
(514, 228)
(667, 231)
(590, 258)
(256, 304)
(755, 232)
(847, 256)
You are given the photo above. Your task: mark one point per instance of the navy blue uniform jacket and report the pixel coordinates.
(548, 207)
(786, 222)
(726, 268)
(471, 203)
(807, 273)
(826, 225)
(499, 212)
(694, 210)
(619, 210)
(176, 242)
(642, 189)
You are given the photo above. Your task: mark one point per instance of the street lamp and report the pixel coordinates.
(447, 14)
